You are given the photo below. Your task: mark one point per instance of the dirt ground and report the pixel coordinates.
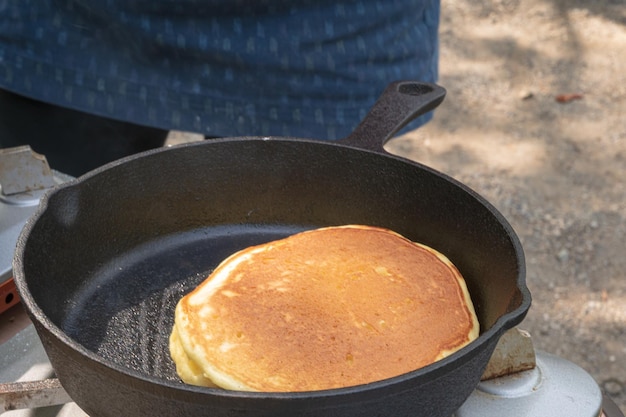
(535, 121)
(556, 170)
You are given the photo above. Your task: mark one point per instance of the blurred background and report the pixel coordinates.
(535, 121)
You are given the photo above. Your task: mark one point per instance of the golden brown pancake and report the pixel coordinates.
(326, 308)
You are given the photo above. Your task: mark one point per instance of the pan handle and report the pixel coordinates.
(401, 102)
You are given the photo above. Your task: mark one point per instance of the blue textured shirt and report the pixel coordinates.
(223, 68)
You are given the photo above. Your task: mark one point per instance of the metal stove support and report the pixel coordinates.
(24, 178)
(32, 394)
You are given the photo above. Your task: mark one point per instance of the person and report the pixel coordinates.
(85, 82)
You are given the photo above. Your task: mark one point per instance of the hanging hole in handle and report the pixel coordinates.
(414, 89)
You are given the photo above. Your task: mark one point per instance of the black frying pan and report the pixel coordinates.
(102, 263)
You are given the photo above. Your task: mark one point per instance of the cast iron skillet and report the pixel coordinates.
(102, 263)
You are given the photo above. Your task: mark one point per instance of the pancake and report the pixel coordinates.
(326, 308)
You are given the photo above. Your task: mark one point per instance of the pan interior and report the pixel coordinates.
(125, 312)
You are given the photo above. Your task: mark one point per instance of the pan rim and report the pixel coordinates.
(504, 322)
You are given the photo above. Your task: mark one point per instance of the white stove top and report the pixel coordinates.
(22, 358)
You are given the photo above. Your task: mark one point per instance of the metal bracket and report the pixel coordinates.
(22, 170)
(514, 353)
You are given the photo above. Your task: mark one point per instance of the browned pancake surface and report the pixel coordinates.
(327, 308)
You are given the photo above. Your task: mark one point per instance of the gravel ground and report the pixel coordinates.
(535, 121)
(555, 169)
